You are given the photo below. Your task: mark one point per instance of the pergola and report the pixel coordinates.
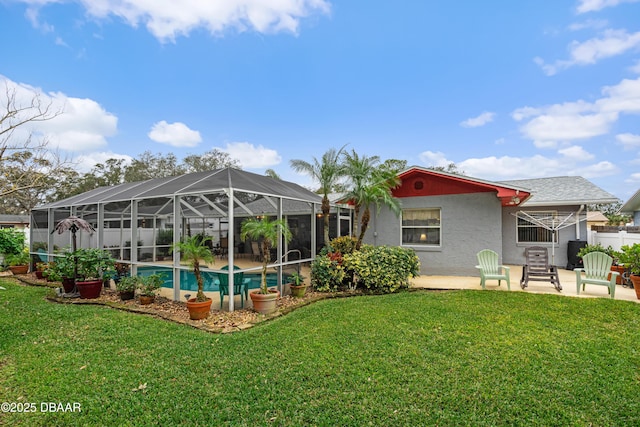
(139, 222)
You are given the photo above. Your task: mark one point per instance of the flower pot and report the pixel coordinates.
(199, 310)
(264, 304)
(39, 275)
(620, 269)
(19, 269)
(127, 295)
(298, 291)
(635, 279)
(68, 284)
(89, 289)
(147, 299)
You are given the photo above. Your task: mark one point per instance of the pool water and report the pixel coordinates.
(188, 279)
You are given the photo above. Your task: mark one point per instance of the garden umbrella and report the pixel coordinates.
(73, 224)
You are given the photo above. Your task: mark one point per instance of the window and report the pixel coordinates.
(421, 227)
(529, 232)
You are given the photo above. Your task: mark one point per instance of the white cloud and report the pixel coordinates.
(633, 178)
(481, 120)
(85, 162)
(174, 134)
(611, 43)
(635, 68)
(431, 158)
(576, 153)
(629, 141)
(595, 5)
(168, 19)
(250, 156)
(596, 24)
(81, 125)
(508, 167)
(570, 121)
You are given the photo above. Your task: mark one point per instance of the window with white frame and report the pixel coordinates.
(530, 232)
(421, 227)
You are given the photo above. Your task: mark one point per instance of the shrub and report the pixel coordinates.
(345, 244)
(326, 274)
(383, 268)
(11, 241)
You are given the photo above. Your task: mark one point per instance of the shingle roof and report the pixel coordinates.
(632, 205)
(563, 190)
(14, 219)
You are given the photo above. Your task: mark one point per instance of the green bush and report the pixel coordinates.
(326, 274)
(344, 245)
(383, 268)
(11, 241)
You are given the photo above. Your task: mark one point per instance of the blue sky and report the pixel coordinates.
(505, 89)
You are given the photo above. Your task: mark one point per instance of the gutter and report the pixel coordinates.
(578, 222)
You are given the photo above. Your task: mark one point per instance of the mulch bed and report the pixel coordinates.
(176, 311)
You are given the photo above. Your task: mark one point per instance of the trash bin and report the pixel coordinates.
(573, 247)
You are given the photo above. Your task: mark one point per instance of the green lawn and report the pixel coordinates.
(413, 358)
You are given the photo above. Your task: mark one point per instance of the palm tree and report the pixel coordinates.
(359, 169)
(195, 250)
(327, 172)
(378, 191)
(269, 231)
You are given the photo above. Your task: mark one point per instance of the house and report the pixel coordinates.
(14, 221)
(632, 207)
(448, 218)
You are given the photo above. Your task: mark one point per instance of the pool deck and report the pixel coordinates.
(567, 280)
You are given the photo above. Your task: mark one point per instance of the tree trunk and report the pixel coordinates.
(200, 296)
(326, 208)
(366, 216)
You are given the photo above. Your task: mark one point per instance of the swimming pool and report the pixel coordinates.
(188, 279)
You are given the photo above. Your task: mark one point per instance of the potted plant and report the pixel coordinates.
(269, 231)
(630, 257)
(91, 266)
(148, 285)
(62, 270)
(298, 288)
(41, 267)
(195, 251)
(18, 263)
(126, 287)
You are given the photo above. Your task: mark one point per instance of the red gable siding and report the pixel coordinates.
(420, 182)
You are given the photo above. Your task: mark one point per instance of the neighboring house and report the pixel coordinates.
(632, 207)
(596, 218)
(14, 221)
(448, 218)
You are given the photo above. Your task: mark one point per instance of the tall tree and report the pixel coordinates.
(26, 161)
(151, 165)
(210, 160)
(327, 172)
(377, 192)
(359, 170)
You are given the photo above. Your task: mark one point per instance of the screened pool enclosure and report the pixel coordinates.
(139, 222)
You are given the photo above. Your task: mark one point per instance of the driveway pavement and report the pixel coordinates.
(567, 279)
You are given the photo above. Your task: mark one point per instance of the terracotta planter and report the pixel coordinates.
(635, 279)
(146, 299)
(620, 269)
(264, 304)
(199, 310)
(298, 291)
(90, 289)
(39, 275)
(127, 295)
(19, 269)
(68, 284)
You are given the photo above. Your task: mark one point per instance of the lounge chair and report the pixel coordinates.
(490, 269)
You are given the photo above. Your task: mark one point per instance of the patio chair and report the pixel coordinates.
(240, 285)
(537, 268)
(597, 271)
(490, 269)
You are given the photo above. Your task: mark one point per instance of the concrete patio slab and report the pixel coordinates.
(567, 279)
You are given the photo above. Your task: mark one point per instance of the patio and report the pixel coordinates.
(567, 279)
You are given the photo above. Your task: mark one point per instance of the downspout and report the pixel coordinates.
(578, 222)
